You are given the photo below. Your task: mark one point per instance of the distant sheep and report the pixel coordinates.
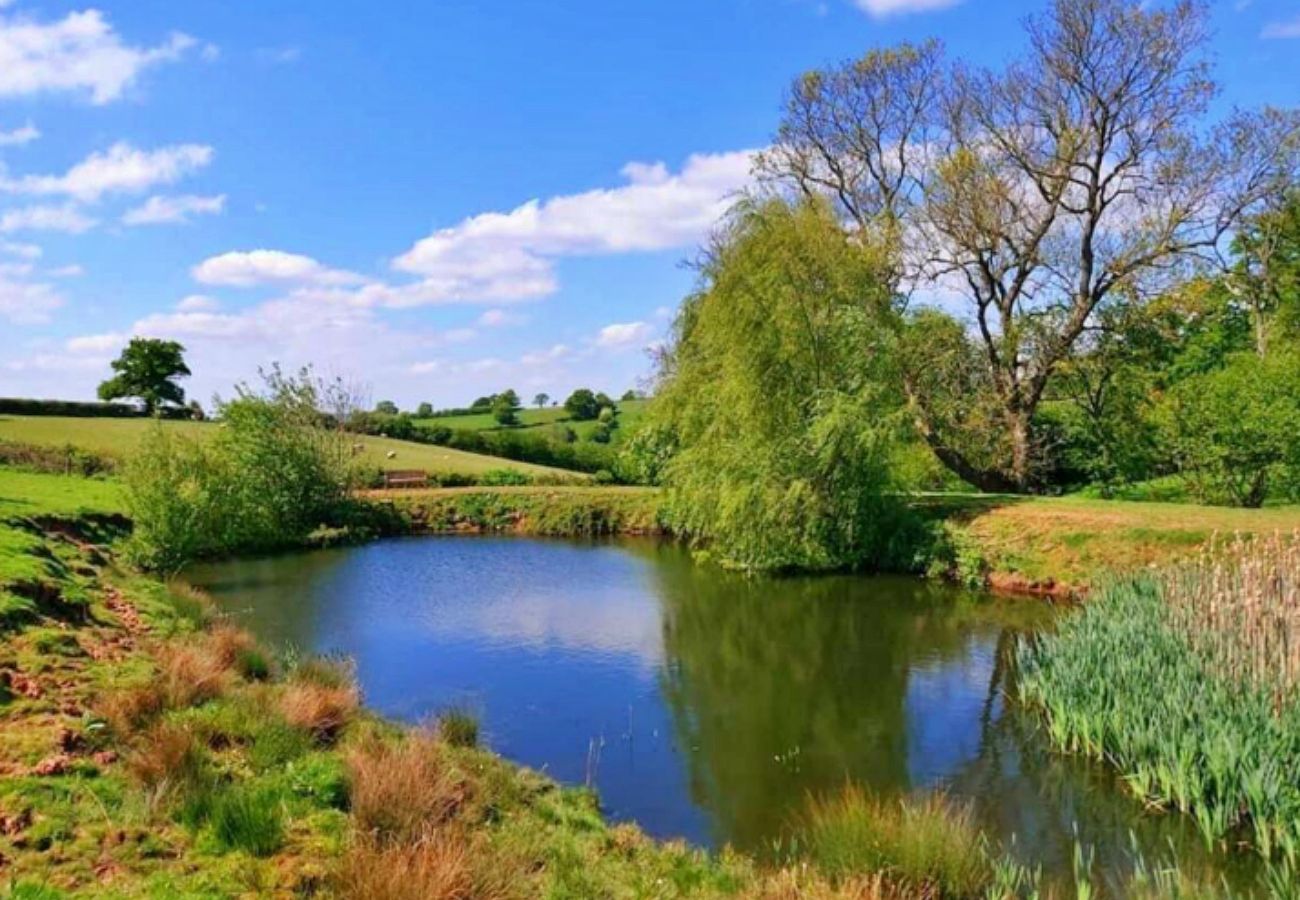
(391, 454)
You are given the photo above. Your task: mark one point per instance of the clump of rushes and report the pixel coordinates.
(321, 697)
(443, 865)
(166, 759)
(127, 710)
(190, 673)
(237, 650)
(927, 845)
(248, 819)
(1187, 682)
(458, 727)
(401, 789)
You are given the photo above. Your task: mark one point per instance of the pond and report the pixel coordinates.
(701, 704)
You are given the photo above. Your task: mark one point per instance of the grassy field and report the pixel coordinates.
(118, 437)
(1059, 542)
(629, 411)
(29, 493)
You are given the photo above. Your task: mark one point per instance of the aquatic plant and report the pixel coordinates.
(1186, 681)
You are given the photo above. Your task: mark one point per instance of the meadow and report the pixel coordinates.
(629, 413)
(119, 437)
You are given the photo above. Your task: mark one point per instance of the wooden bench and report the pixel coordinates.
(405, 478)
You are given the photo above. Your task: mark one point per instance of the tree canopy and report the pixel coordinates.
(148, 369)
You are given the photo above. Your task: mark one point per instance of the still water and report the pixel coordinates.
(700, 704)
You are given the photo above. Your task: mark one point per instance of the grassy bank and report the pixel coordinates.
(119, 438)
(549, 511)
(1061, 545)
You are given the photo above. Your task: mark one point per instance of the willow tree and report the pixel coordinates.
(777, 390)
(1083, 175)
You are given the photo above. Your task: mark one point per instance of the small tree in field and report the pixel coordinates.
(541, 400)
(424, 411)
(582, 405)
(148, 369)
(386, 407)
(505, 408)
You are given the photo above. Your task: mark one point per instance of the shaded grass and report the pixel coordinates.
(550, 511)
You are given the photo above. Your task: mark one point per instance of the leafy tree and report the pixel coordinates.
(1236, 431)
(386, 407)
(1031, 191)
(582, 405)
(604, 401)
(540, 400)
(482, 404)
(1265, 270)
(630, 394)
(148, 368)
(778, 386)
(505, 408)
(424, 411)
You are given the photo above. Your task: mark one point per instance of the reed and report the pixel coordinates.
(1186, 680)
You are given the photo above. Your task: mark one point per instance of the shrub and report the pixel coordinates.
(1236, 431)
(248, 819)
(501, 477)
(927, 845)
(401, 791)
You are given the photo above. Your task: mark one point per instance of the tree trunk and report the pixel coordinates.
(1021, 450)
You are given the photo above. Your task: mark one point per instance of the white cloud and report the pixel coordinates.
(247, 268)
(119, 169)
(66, 218)
(499, 318)
(1288, 28)
(72, 270)
(279, 56)
(511, 255)
(26, 251)
(541, 357)
(622, 335)
(880, 9)
(97, 343)
(197, 303)
(24, 134)
(15, 268)
(160, 209)
(25, 302)
(80, 53)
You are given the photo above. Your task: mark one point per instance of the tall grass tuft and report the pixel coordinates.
(1187, 682)
(248, 819)
(458, 727)
(401, 790)
(926, 845)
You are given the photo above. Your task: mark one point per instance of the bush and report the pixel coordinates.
(503, 477)
(67, 460)
(270, 477)
(1236, 431)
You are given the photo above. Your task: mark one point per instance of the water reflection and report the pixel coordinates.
(704, 705)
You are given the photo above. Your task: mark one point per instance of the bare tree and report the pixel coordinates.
(1080, 176)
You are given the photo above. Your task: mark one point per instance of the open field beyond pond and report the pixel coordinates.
(629, 412)
(118, 437)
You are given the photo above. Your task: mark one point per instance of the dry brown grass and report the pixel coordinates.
(129, 709)
(322, 711)
(229, 643)
(1239, 603)
(802, 883)
(402, 791)
(442, 865)
(165, 756)
(191, 673)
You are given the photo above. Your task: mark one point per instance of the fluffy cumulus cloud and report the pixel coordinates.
(80, 53)
(624, 335)
(162, 210)
(119, 169)
(16, 137)
(510, 255)
(248, 268)
(884, 8)
(17, 248)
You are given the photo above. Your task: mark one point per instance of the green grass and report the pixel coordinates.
(1074, 542)
(629, 412)
(119, 438)
(30, 493)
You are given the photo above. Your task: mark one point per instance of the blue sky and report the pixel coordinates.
(439, 200)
